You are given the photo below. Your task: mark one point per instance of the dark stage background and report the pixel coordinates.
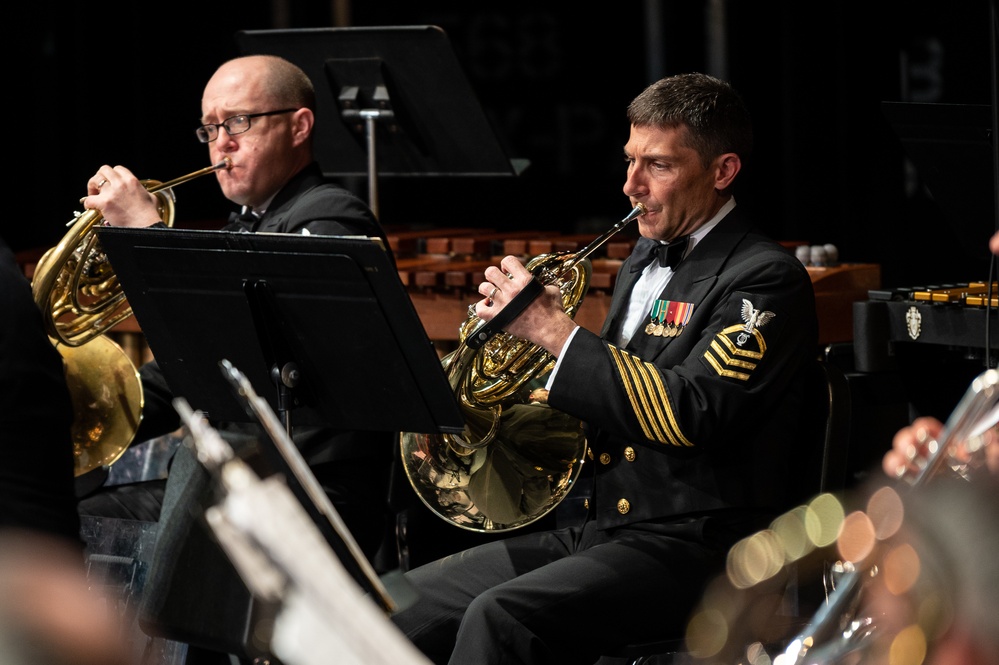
(554, 79)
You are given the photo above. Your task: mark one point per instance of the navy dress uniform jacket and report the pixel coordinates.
(705, 421)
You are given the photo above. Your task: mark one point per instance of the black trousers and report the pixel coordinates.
(563, 596)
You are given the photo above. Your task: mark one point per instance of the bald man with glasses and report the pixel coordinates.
(258, 116)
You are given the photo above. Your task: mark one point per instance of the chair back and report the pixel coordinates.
(820, 463)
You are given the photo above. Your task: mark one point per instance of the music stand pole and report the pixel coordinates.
(371, 118)
(284, 370)
(285, 380)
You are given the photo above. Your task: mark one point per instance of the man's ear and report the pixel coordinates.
(727, 166)
(302, 123)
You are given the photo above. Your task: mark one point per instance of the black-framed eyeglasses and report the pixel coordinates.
(237, 124)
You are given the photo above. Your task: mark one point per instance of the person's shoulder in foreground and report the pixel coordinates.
(36, 478)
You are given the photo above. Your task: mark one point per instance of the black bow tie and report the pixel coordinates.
(669, 254)
(245, 218)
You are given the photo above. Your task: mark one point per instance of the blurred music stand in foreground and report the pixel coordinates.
(406, 78)
(280, 554)
(322, 328)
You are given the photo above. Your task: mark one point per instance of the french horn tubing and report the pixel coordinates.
(517, 457)
(80, 298)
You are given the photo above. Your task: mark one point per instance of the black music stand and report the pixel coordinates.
(323, 330)
(405, 78)
(328, 315)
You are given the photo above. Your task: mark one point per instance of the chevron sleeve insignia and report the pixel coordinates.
(737, 350)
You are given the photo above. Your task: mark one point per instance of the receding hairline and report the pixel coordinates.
(284, 81)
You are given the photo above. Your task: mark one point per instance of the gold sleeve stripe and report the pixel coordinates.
(756, 355)
(645, 403)
(649, 401)
(722, 371)
(729, 360)
(659, 401)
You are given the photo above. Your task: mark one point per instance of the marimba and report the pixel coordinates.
(442, 269)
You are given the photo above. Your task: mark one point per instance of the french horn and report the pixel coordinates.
(77, 291)
(517, 457)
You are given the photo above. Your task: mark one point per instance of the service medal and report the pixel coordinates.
(682, 316)
(656, 315)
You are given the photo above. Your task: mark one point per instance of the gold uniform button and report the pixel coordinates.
(623, 506)
(586, 504)
(629, 454)
(605, 458)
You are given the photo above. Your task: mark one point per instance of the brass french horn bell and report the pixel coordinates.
(517, 457)
(77, 291)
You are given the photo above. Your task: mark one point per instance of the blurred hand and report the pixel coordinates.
(911, 448)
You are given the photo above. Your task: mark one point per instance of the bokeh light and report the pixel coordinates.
(856, 538)
(707, 633)
(908, 647)
(823, 518)
(901, 569)
(790, 529)
(886, 512)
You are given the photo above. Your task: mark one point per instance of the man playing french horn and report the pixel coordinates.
(691, 433)
(258, 120)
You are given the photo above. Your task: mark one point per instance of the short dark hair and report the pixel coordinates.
(714, 114)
